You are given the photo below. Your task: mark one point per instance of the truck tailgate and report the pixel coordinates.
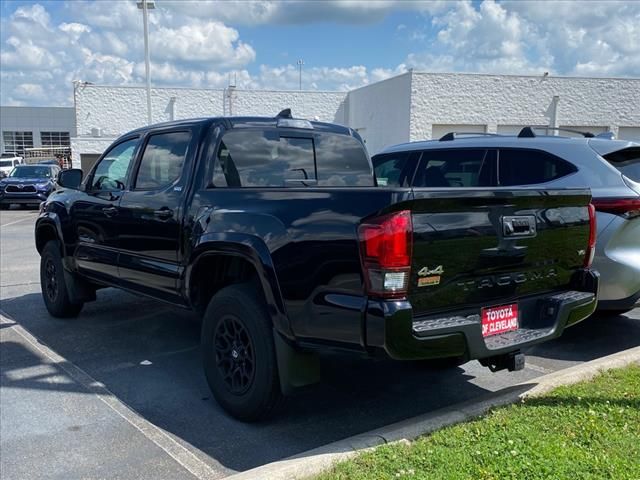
(485, 247)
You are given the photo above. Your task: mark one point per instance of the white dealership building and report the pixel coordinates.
(411, 106)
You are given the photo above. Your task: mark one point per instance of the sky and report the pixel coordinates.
(47, 45)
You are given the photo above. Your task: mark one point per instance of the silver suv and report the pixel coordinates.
(611, 168)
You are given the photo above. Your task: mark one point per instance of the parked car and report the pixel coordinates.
(49, 161)
(9, 160)
(610, 168)
(28, 185)
(273, 229)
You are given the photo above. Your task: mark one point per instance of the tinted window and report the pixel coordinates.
(529, 167)
(627, 161)
(264, 158)
(111, 172)
(454, 168)
(342, 161)
(395, 169)
(162, 160)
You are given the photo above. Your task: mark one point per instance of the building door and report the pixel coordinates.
(88, 160)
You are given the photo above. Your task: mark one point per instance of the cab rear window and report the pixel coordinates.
(627, 161)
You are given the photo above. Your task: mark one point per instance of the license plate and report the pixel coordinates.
(496, 320)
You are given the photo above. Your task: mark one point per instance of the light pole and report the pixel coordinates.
(300, 64)
(145, 6)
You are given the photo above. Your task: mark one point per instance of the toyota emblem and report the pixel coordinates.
(20, 186)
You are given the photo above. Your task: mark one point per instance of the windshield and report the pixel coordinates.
(31, 172)
(627, 161)
(6, 163)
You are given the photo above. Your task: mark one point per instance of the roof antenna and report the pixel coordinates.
(286, 113)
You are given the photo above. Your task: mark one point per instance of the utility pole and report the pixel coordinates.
(300, 64)
(145, 6)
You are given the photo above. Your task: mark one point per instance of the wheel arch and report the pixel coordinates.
(219, 260)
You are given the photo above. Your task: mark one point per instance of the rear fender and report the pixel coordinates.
(255, 251)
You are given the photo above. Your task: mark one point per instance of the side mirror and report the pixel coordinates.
(70, 178)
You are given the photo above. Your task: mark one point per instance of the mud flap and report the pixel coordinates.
(78, 291)
(296, 369)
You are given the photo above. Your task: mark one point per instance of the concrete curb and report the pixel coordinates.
(319, 459)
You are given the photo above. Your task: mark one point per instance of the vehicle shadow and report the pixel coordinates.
(595, 337)
(148, 356)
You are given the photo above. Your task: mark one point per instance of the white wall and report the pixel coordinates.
(380, 112)
(492, 100)
(117, 110)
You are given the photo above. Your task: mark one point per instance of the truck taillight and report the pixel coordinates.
(591, 247)
(628, 207)
(386, 244)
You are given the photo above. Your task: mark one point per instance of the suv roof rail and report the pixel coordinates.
(527, 132)
(447, 137)
(286, 113)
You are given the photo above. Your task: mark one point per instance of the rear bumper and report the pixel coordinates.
(390, 325)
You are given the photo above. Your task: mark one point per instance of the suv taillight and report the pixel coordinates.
(627, 207)
(386, 244)
(593, 227)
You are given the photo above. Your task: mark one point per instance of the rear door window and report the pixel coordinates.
(395, 169)
(455, 168)
(627, 161)
(530, 167)
(264, 158)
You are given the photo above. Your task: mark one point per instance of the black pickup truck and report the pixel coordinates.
(275, 230)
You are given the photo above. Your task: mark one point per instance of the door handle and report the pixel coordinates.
(110, 211)
(164, 213)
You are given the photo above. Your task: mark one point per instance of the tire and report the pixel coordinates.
(52, 282)
(5, 206)
(239, 354)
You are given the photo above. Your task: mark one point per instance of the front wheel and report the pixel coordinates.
(54, 287)
(239, 353)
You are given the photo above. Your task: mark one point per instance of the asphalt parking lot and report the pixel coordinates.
(119, 391)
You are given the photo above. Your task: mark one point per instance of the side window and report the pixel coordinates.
(111, 172)
(342, 161)
(395, 169)
(264, 158)
(530, 167)
(162, 160)
(455, 168)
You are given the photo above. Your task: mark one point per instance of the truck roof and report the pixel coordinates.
(246, 122)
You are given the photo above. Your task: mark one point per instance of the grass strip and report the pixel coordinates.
(590, 430)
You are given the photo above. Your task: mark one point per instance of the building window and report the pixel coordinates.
(17, 141)
(55, 139)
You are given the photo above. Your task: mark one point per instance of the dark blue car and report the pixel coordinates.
(28, 185)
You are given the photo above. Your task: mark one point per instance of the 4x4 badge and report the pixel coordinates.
(424, 271)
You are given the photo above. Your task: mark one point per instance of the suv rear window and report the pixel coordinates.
(264, 158)
(627, 161)
(395, 169)
(529, 167)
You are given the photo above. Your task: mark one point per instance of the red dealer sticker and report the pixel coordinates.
(496, 320)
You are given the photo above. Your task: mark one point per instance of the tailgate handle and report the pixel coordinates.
(519, 226)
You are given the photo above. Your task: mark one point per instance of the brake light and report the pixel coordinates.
(593, 227)
(386, 244)
(628, 207)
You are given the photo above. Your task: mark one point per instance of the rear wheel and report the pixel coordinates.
(5, 206)
(54, 287)
(239, 354)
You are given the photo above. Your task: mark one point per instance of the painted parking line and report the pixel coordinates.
(16, 221)
(185, 457)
